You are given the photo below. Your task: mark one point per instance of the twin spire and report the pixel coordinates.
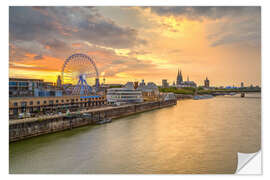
(179, 74)
(179, 78)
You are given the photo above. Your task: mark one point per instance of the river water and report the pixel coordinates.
(195, 136)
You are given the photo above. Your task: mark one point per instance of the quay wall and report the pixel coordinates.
(183, 96)
(23, 129)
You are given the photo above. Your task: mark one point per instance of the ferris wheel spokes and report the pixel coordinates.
(81, 70)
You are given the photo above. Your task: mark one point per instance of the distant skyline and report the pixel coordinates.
(135, 43)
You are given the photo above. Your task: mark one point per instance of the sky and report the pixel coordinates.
(135, 43)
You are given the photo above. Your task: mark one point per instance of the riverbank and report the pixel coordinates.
(204, 133)
(25, 128)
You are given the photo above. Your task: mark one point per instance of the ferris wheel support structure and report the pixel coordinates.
(78, 69)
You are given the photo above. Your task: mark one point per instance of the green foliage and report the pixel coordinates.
(178, 91)
(189, 90)
(205, 91)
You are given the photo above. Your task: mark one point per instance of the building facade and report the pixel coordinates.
(179, 78)
(123, 95)
(206, 83)
(242, 84)
(165, 83)
(181, 84)
(59, 82)
(149, 91)
(42, 105)
(20, 87)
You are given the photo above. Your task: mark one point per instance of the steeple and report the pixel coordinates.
(179, 78)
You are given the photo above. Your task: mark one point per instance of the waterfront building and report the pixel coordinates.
(22, 87)
(123, 95)
(129, 85)
(19, 87)
(206, 83)
(47, 92)
(149, 91)
(165, 84)
(169, 96)
(36, 105)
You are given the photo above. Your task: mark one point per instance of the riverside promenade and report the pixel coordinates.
(20, 129)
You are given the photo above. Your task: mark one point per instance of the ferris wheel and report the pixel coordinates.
(80, 75)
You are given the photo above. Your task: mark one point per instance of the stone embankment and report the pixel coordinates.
(25, 128)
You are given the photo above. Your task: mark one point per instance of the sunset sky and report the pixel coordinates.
(135, 43)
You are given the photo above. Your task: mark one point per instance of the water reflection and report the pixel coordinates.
(200, 136)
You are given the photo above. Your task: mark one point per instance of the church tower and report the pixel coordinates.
(179, 78)
(206, 83)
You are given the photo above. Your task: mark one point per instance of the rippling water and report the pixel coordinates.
(195, 136)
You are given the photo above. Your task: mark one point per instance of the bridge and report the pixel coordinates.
(221, 92)
(232, 92)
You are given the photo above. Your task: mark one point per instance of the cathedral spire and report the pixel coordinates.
(179, 78)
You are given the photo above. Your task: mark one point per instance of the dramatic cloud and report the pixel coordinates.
(239, 24)
(58, 24)
(130, 43)
(199, 12)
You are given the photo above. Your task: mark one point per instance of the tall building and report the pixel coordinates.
(165, 84)
(206, 83)
(142, 83)
(59, 81)
(179, 78)
(242, 84)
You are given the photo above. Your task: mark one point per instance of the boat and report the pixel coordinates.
(104, 121)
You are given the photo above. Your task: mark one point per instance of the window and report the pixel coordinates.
(44, 102)
(67, 100)
(12, 83)
(62, 100)
(56, 101)
(15, 104)
(23, 103)
(23, 84)
(31, 102)
(76, 100)
(51, 102)
(38, 102)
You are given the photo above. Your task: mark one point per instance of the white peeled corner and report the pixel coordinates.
(249, 163)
